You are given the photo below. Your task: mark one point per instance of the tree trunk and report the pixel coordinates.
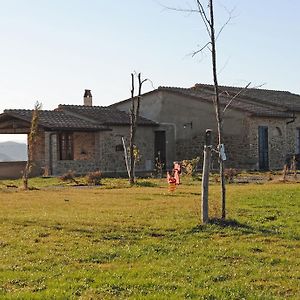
(31, 144)
(217, 107)
(132, 133)
(134, 115)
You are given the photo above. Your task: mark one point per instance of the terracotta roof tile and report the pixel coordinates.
(55, 120)
(103, 115)
(246, 101)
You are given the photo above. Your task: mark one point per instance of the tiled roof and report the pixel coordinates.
(251, 105)
(270, 97)
(54, 120)
(103, 115)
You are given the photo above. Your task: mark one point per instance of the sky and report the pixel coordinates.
(51, 50)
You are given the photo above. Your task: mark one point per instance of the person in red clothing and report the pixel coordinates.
(171, 181)
(171, 177)
(177, 171)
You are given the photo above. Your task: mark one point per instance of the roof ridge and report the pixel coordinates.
(241, 87)
(25, 109)
(80, 106)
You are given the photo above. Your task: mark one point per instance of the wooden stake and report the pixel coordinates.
(205, 175)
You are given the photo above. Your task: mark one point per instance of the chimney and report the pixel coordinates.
(87, 98)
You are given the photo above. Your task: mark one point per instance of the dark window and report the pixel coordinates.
(66, 146)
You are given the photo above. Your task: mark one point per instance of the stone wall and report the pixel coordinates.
(84, 145)
(292, 129)
(39, 154)
(278, 140)
(104, 151)
(112, 153)
(238, 152)
(11, 169)
(189, 118)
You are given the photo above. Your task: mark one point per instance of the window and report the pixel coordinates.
(66, 146)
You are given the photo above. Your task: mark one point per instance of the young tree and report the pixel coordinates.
(210, 23)
(134, 115)
(206, 13)
(31, 143)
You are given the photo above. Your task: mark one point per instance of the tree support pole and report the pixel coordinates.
(205, 175)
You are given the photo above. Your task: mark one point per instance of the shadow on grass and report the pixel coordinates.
(146, 184)
(231, 224)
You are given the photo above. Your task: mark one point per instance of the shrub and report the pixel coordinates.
(190, 166)
(158, 169)
(230, 174)
(68, 177)
(94, 178)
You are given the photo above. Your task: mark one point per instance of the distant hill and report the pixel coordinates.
(12, 151)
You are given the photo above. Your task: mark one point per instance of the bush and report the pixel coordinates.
(68, 177)
(158, 169)
(190, 166)
(94, 178)
(230, 174)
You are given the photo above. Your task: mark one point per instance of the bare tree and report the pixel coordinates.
(31, 143)
(134, 115)
(206, 13)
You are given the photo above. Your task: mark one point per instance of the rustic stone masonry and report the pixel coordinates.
(242, 150)
(97, 151)
(112, 153)
(84, 143)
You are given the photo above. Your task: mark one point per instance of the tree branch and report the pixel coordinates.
(201, 49)
(226, 23)
(236, 95)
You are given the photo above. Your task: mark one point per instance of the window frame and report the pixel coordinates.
(66, 145)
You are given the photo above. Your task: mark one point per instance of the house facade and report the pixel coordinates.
(261, 126)
(82, 139)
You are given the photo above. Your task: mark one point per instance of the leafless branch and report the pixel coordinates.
(200, 10)
(224, 66)
(201, 49)
(236, 95)
(259, 86)
(151, 82)
(204, 17)
(230, 17)
(179, 9)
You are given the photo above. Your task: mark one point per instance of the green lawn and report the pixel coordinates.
(116, 242)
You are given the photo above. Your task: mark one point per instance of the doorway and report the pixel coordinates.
(263, 147)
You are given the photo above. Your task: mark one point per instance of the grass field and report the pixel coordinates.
(116, 242)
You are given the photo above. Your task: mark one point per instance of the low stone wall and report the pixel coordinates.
(14, 169)
(11, 169)
(80, 167)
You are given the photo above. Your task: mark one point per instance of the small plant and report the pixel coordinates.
(94, 178)
(230, 174)
(190, 166)
(159, 166)
(68, 177)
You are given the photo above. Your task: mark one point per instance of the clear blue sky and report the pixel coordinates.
(51, 50)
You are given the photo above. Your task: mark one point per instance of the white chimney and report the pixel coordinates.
(87, 98)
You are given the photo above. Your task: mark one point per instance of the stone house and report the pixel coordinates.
(260, 126)
(82, 138)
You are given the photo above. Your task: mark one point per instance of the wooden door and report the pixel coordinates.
(263, 147)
